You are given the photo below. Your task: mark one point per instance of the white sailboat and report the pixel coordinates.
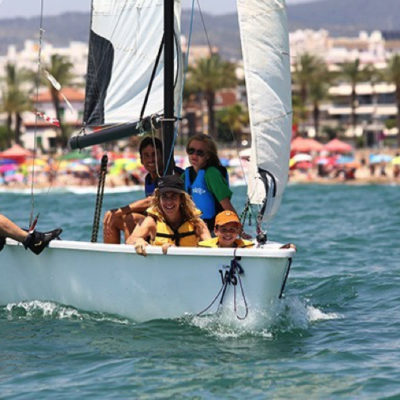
(112, 278)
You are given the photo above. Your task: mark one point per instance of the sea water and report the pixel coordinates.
(336, 334)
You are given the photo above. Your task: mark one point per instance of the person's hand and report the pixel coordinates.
(140, 247)
(288, 246)
(245, 235)
(165, 247)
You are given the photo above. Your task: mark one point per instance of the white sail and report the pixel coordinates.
(265, 47)
(124, 43)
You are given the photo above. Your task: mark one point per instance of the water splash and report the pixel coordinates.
(285, 316)
(37, 309)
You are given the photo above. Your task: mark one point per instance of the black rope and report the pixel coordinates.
(285, 279)
(231, 277)
(238, 267)
(99, 198)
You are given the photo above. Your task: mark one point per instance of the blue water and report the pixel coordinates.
(337, 335)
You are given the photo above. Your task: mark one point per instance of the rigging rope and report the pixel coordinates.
(204, 27)
(99, 197)
(41, 31)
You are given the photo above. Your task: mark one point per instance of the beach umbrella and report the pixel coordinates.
(303, 165)
(301, 157)
(79, 168)
(224, 161)
(90, 161)
(305, 145)
(344, 159)
(6, 161)
(338, 146)
(37, 162)
(17, 153)
(14, 178)
(379, 158)
(325, 160)
(396, 160)
(352, 164)
(74, 155)
(8, 167)
(234, 162)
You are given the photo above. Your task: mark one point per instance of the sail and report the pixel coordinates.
(125, 39)
(265, 48)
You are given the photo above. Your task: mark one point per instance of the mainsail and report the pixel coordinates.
(125, 39)
(265, 47)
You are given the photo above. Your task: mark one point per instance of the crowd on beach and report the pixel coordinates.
(190, 204)
(306, 165)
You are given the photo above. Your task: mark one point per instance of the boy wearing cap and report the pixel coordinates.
(227, 230)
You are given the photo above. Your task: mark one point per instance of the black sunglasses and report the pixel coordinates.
(198, 152)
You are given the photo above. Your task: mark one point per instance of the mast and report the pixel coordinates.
(167, 124)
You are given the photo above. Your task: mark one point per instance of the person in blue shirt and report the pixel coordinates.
(206, 180)
(124, 219)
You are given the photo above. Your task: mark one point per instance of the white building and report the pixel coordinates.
(375, 103)
(28, 57)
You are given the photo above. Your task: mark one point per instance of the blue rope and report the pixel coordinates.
(186, 63)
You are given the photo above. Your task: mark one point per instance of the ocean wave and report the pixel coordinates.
(37, 309)
(288, 315)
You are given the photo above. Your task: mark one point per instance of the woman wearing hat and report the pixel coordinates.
(172, 220)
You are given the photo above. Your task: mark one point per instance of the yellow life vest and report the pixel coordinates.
(184, 236)
(214, 243)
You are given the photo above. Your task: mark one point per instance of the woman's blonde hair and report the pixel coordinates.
(188, 208)
(211, 149)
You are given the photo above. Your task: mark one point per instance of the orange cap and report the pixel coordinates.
(226, 216)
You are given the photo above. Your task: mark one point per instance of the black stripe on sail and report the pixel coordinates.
(100, 62)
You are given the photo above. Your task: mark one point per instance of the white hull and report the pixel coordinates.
(113, 279)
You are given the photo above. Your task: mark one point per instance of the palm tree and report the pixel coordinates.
(61, 69)
(393, 75)
(305, 68)
(231, 121)
(14, 100)
(353, 74)
(209, 75)
(318, 89)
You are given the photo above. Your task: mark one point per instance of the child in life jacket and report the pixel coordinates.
(227, 231)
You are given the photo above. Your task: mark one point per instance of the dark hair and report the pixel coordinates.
(211, 149)
(150, 141)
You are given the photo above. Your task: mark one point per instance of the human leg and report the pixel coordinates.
(130, 222)
(11, 230)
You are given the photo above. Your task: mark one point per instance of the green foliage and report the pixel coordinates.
(14, 99)
(230, 122)
(390, 123)
(206, 77)
(4, 137)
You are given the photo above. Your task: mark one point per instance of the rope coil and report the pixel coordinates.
(231, 277)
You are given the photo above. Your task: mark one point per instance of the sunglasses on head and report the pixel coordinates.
(198, 152)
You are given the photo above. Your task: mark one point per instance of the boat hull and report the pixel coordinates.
(114, 279)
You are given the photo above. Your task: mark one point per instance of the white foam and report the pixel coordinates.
(314, 314)
(46, 309)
